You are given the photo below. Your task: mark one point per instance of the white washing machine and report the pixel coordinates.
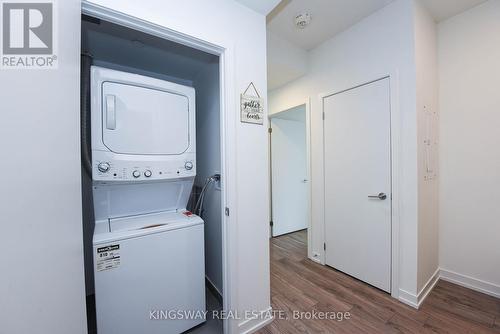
(147, 266)
(148, 250)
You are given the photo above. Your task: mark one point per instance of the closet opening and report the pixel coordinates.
(169, 168)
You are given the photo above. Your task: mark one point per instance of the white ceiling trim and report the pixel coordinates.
(444, 9)
(263, 7)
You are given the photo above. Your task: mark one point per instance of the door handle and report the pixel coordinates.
(305, 180)
(110, 112)
(381, 196)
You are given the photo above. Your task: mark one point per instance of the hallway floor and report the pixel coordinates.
(298, 284)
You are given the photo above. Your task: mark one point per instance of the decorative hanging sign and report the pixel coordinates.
(252, 107)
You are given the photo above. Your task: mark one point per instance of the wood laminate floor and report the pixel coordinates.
(298, 284)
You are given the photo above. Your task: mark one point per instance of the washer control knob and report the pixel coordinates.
(104, 167)
(148, 173)
(136, 174)
(188, 165)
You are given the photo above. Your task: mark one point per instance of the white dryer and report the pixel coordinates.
(142, 128)
(148, 251)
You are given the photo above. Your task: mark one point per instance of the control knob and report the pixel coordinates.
(148, 173)
(136, 174)
(188, 165)
(104, 167)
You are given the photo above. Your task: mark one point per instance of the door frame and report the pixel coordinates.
(396, 156)
(228, 121)
(307, 103)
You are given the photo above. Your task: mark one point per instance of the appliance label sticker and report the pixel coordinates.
(108, 257)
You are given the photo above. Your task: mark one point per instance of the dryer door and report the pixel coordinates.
(140, 120)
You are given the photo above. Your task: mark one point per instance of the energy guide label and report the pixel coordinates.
(108, 257)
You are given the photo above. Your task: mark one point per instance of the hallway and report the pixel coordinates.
(298, 284)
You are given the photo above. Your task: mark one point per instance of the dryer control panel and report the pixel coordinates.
(108, 168)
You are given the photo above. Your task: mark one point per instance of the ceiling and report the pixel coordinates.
(330, 17)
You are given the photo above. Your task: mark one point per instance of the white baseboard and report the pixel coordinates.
(254, 324)
(449, 276)
(416, 300)
(408, 298)
(315, 259)
(429, 285)
(471, 283)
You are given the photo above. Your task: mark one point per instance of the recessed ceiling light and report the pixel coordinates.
(302, 20)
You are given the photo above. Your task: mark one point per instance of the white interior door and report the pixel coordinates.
(289, 175)
(358, 169)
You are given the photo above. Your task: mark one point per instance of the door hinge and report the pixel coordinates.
(227, 211)
(270, 130)
(271, 223)
(324, 246)
(323, 115)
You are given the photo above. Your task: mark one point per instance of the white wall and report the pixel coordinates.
(285, 61)
(41, 254)
(381, 44)
(469, 69)
(208, 159)
(43, 290)
(427, 118)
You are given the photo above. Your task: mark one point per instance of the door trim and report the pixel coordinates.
(395, 149)
(228, 123)
(307, 103)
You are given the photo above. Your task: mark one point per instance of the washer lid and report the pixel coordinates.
(154, 221)
(141, 120)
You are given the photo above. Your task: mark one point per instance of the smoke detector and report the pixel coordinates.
(302, 20)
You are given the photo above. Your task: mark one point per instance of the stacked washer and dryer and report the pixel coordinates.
(148, 249)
